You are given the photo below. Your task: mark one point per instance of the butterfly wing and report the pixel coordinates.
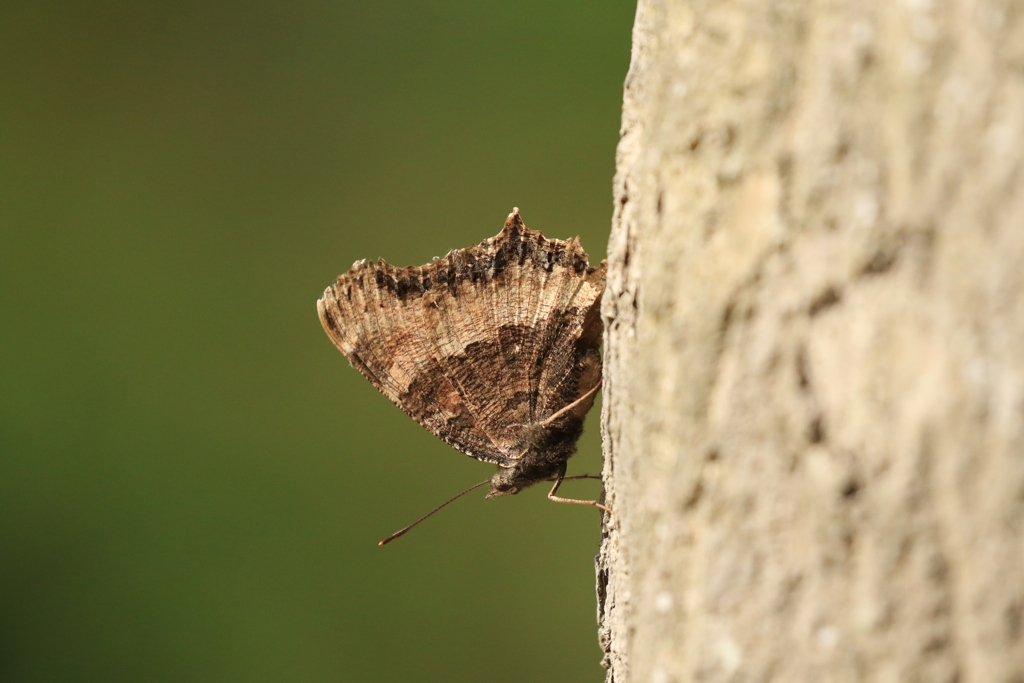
(384, 337)
(569, 364)
(480, 343)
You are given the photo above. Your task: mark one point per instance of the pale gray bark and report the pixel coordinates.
(814, 383)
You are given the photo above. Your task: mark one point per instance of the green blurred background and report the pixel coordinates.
(192, 478)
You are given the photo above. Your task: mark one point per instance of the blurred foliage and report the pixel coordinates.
(192, 479)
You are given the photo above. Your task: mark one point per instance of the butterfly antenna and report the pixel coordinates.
(452, 500)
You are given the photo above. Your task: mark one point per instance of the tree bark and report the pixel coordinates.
(814, 374)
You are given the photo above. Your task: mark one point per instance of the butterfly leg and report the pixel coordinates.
(559, 499)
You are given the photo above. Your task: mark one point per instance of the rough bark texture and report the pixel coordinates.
(814, 384)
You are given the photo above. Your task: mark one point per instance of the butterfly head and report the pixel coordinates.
(508, 481)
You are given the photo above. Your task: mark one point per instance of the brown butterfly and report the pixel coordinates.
(494, 348)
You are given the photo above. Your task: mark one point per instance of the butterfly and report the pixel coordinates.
(494, 348)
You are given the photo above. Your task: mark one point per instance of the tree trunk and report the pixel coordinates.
(814, 381)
